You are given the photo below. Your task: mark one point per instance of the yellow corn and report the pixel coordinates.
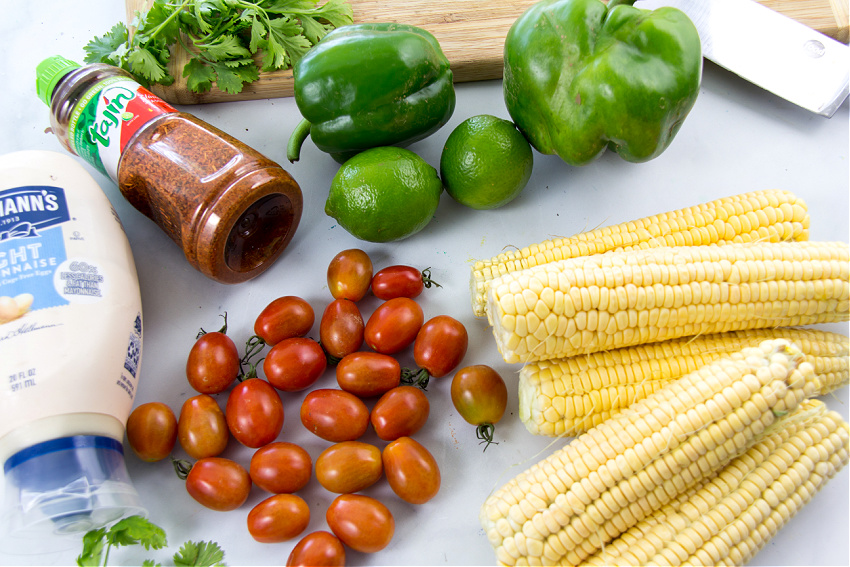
(730, 517)
(568, 396)
(759, 216)
(566, 507)
(619, 299)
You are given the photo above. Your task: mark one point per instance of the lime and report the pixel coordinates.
(486, 162)
(384, 194)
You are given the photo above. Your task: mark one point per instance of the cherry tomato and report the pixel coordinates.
(480, 396)
(254, 413)
(281, 467)
(317, 549)
(202, 428)
(349, 467)
(440, 345)
(349, 274)
(401, 281)
(411, 470)
(152, 431)
(294, 364)
(361, 522)
(334, 415)
(393, 325)
(367, 374)
(283, 318)
(278, 518)
(218, 483)
(341, 328)
(401, 412)
(213, 363)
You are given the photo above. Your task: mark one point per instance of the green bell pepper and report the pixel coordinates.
(369, 85)
(580, 77)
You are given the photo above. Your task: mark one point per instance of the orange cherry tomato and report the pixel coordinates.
(401, 281)
(213, 363)
(367, 374)
(219, 484)
(254, 413)
(283, 318)
(480, 397)
(152, 431)
(294, 364)
(411, 470)
(202, 428)
(317, 549)
(393, 325)
(278, 518)
(440, 345)
(350, 466)
(334, 415)
(401, 412)
(349, 274)
(281, 467)
(361, 522)
(341, 328)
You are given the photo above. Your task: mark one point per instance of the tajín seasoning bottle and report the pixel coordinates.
(231, 209)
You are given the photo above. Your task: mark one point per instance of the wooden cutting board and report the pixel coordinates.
(471, 33)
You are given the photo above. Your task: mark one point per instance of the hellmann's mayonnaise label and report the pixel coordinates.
(70, 308)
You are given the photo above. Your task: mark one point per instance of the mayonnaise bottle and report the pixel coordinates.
(70, 350)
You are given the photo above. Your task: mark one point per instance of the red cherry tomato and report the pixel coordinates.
(401, 412)
(283, 318)
(281, 467)
(350, 466)
(294, 364)
(401, 281)
(393, 325)
(278, 518)
(341, 328)
(202, 428)
(411, 470)
(440, 345)
(367, 374)
(218, 483)
(317, 549)
(480, 396)
(349, 274)
(152, 431)
(361, 522)
(254, 413)
(334, 415)
(213, 363)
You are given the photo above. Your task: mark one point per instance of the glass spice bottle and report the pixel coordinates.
(230, 208)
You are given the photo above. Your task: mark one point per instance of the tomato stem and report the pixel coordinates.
(485, 432)
(223, 330)
(418, 378)
(181, 467)
(253, 346)
(426, 278)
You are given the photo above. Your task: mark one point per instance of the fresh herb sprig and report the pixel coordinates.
(137, 530)
(229, 41)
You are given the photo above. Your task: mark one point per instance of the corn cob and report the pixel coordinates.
(607, 301)
(568, 396)
(729, 518)
(759, 216)
(567, 506)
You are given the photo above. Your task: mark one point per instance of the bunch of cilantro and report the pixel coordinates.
(229, 41)
(137, 530)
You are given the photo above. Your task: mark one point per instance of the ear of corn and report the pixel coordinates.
(736, 512)
(619, 299)
(759, 216)
(568, 396)
(566, 507)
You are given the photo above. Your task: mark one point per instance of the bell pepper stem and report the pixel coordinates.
(296, 140)
(614, 3)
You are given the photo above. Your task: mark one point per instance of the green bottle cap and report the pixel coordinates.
(48, 74)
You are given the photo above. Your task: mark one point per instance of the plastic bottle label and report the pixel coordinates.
(107, 117)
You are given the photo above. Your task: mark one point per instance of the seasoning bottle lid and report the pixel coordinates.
(49, 72)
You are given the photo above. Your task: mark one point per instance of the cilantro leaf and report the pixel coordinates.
(225, 47)
(143, 62)
(199, 554)
(93, 547)
(101, 49)
(136, 530)
(232, 80)
(199, 76)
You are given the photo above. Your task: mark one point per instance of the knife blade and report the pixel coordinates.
(771, 50)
